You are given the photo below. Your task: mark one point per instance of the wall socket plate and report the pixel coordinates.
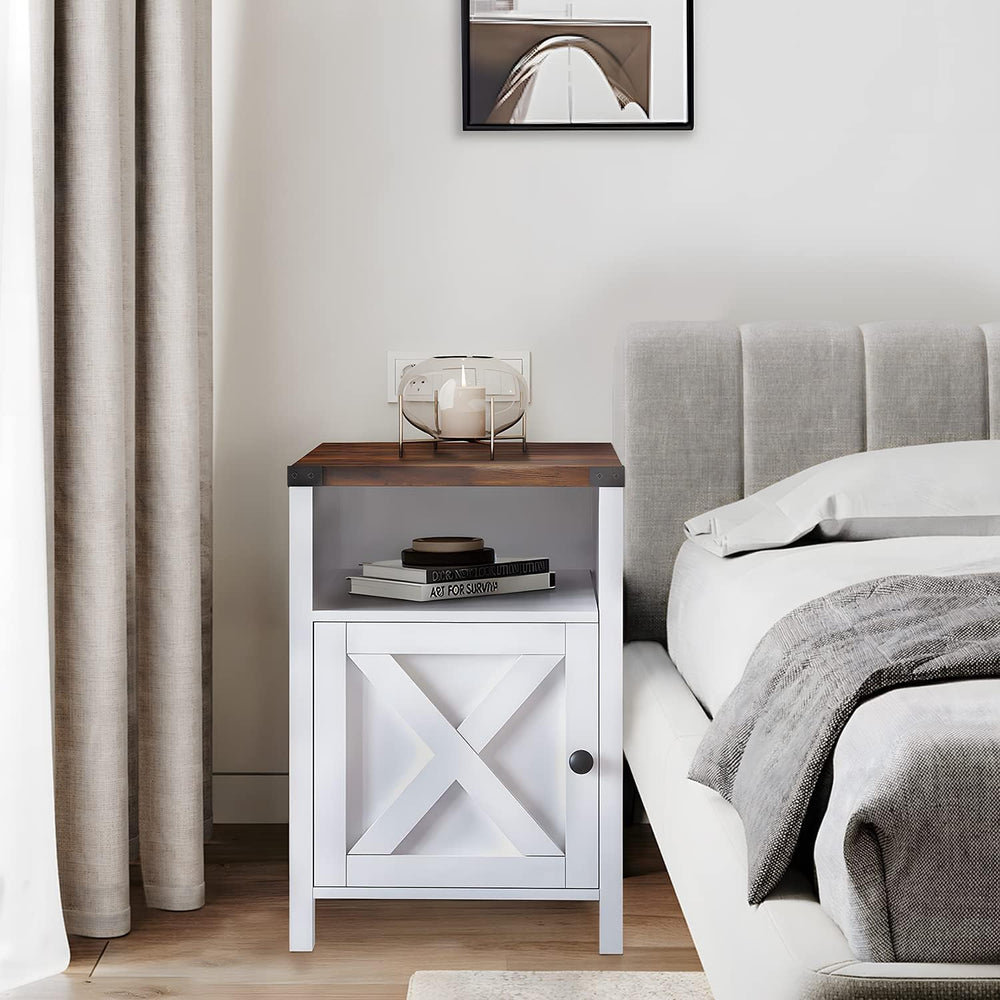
(398, 361)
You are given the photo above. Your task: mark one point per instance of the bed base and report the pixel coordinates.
(787, 948)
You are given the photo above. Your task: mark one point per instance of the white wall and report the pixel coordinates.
(843, 167)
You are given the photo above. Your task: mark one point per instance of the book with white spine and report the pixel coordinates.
(402, 591)
(393, 569)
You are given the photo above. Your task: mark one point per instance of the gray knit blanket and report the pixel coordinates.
(770, 742)
(907, 855)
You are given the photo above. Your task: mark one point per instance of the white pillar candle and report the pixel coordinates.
(462, 409)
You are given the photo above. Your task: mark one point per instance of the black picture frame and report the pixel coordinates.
(687, 125)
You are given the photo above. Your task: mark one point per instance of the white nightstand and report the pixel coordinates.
(431, 744)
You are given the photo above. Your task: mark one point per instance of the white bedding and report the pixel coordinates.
(719, 609)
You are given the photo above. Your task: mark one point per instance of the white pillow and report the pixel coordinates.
(927, 489)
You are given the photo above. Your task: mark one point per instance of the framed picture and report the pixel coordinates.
(594, 64)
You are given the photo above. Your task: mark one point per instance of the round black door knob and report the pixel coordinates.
(580, 761)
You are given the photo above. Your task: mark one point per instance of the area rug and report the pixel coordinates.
(559, 986)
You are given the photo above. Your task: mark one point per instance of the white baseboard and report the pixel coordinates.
(250, 798)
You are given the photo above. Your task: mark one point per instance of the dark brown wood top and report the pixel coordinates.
(459, 464)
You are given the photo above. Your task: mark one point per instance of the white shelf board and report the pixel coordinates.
(572, 600)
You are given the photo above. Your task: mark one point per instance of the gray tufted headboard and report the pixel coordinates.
(714, 412)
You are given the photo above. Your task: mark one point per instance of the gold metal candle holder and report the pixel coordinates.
(491, 439)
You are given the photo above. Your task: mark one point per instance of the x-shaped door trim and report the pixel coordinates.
(456, 754)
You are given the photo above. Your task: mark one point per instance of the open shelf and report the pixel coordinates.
(572, 600)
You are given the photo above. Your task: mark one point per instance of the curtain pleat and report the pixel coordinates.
(168, 461)
(91, 703)
(132, 429)
(126, 117)
(203, 221)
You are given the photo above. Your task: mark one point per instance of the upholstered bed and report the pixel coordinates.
(712, 413)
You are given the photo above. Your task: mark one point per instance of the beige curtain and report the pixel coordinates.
(128, 242)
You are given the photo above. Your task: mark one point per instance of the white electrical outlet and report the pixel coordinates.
(398, 361)
(419, 388)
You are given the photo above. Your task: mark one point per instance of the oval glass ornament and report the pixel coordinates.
(455, 398)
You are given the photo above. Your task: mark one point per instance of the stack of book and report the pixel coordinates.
(465, 575)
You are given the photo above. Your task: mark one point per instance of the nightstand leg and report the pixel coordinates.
(301, 905)
(611, 933)
(610, 542)
(301, 918)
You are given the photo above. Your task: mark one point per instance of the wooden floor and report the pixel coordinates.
(237, 945)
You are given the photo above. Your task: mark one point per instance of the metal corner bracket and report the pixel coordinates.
(613, 475)
(305, 475)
